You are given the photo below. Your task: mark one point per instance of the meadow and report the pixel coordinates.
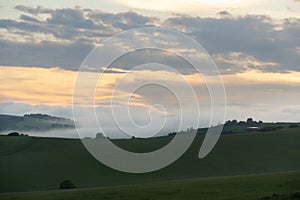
(241, 166)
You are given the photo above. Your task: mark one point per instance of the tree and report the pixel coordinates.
(249, 121)
(14, 134)
(234, 121)
(188, 130)
(241, 123)
(173, 133)
(66, 184)
(100, 135)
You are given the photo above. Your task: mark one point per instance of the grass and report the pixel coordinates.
(36, 164)
(269, 186)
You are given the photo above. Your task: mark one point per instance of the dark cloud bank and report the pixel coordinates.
(78, 30)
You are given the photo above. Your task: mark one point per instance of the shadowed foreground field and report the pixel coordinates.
(269, 186)
(40, 164)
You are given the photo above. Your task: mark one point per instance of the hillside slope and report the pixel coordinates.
(33, 122)
(30, 163)
(275, 186)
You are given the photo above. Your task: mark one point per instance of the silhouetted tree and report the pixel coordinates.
(173, 133)
(242, 123)
(234, 121)
(14, 134)
(249, 121)
(100, 135)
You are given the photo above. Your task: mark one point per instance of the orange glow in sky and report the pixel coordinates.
(54, 86)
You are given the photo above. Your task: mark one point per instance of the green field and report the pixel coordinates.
(278, 186)
(40, 164)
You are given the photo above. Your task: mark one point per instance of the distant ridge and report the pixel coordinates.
(34, 122)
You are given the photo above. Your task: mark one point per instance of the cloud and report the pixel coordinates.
(44, 54)
(234, 62)
(252, 93)
(256, 36)
(224, 13)
(43, 86)
(258, 57)
(63, 37)
(124, 21)
(31, 10)
(61, 22)
(28, 18)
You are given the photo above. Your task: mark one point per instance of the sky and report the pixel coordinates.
(254, 44)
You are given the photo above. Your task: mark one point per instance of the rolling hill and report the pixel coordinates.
(34, 164)
(275, 186)
(33, 122)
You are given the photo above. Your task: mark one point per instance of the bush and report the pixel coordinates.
(66, 184)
